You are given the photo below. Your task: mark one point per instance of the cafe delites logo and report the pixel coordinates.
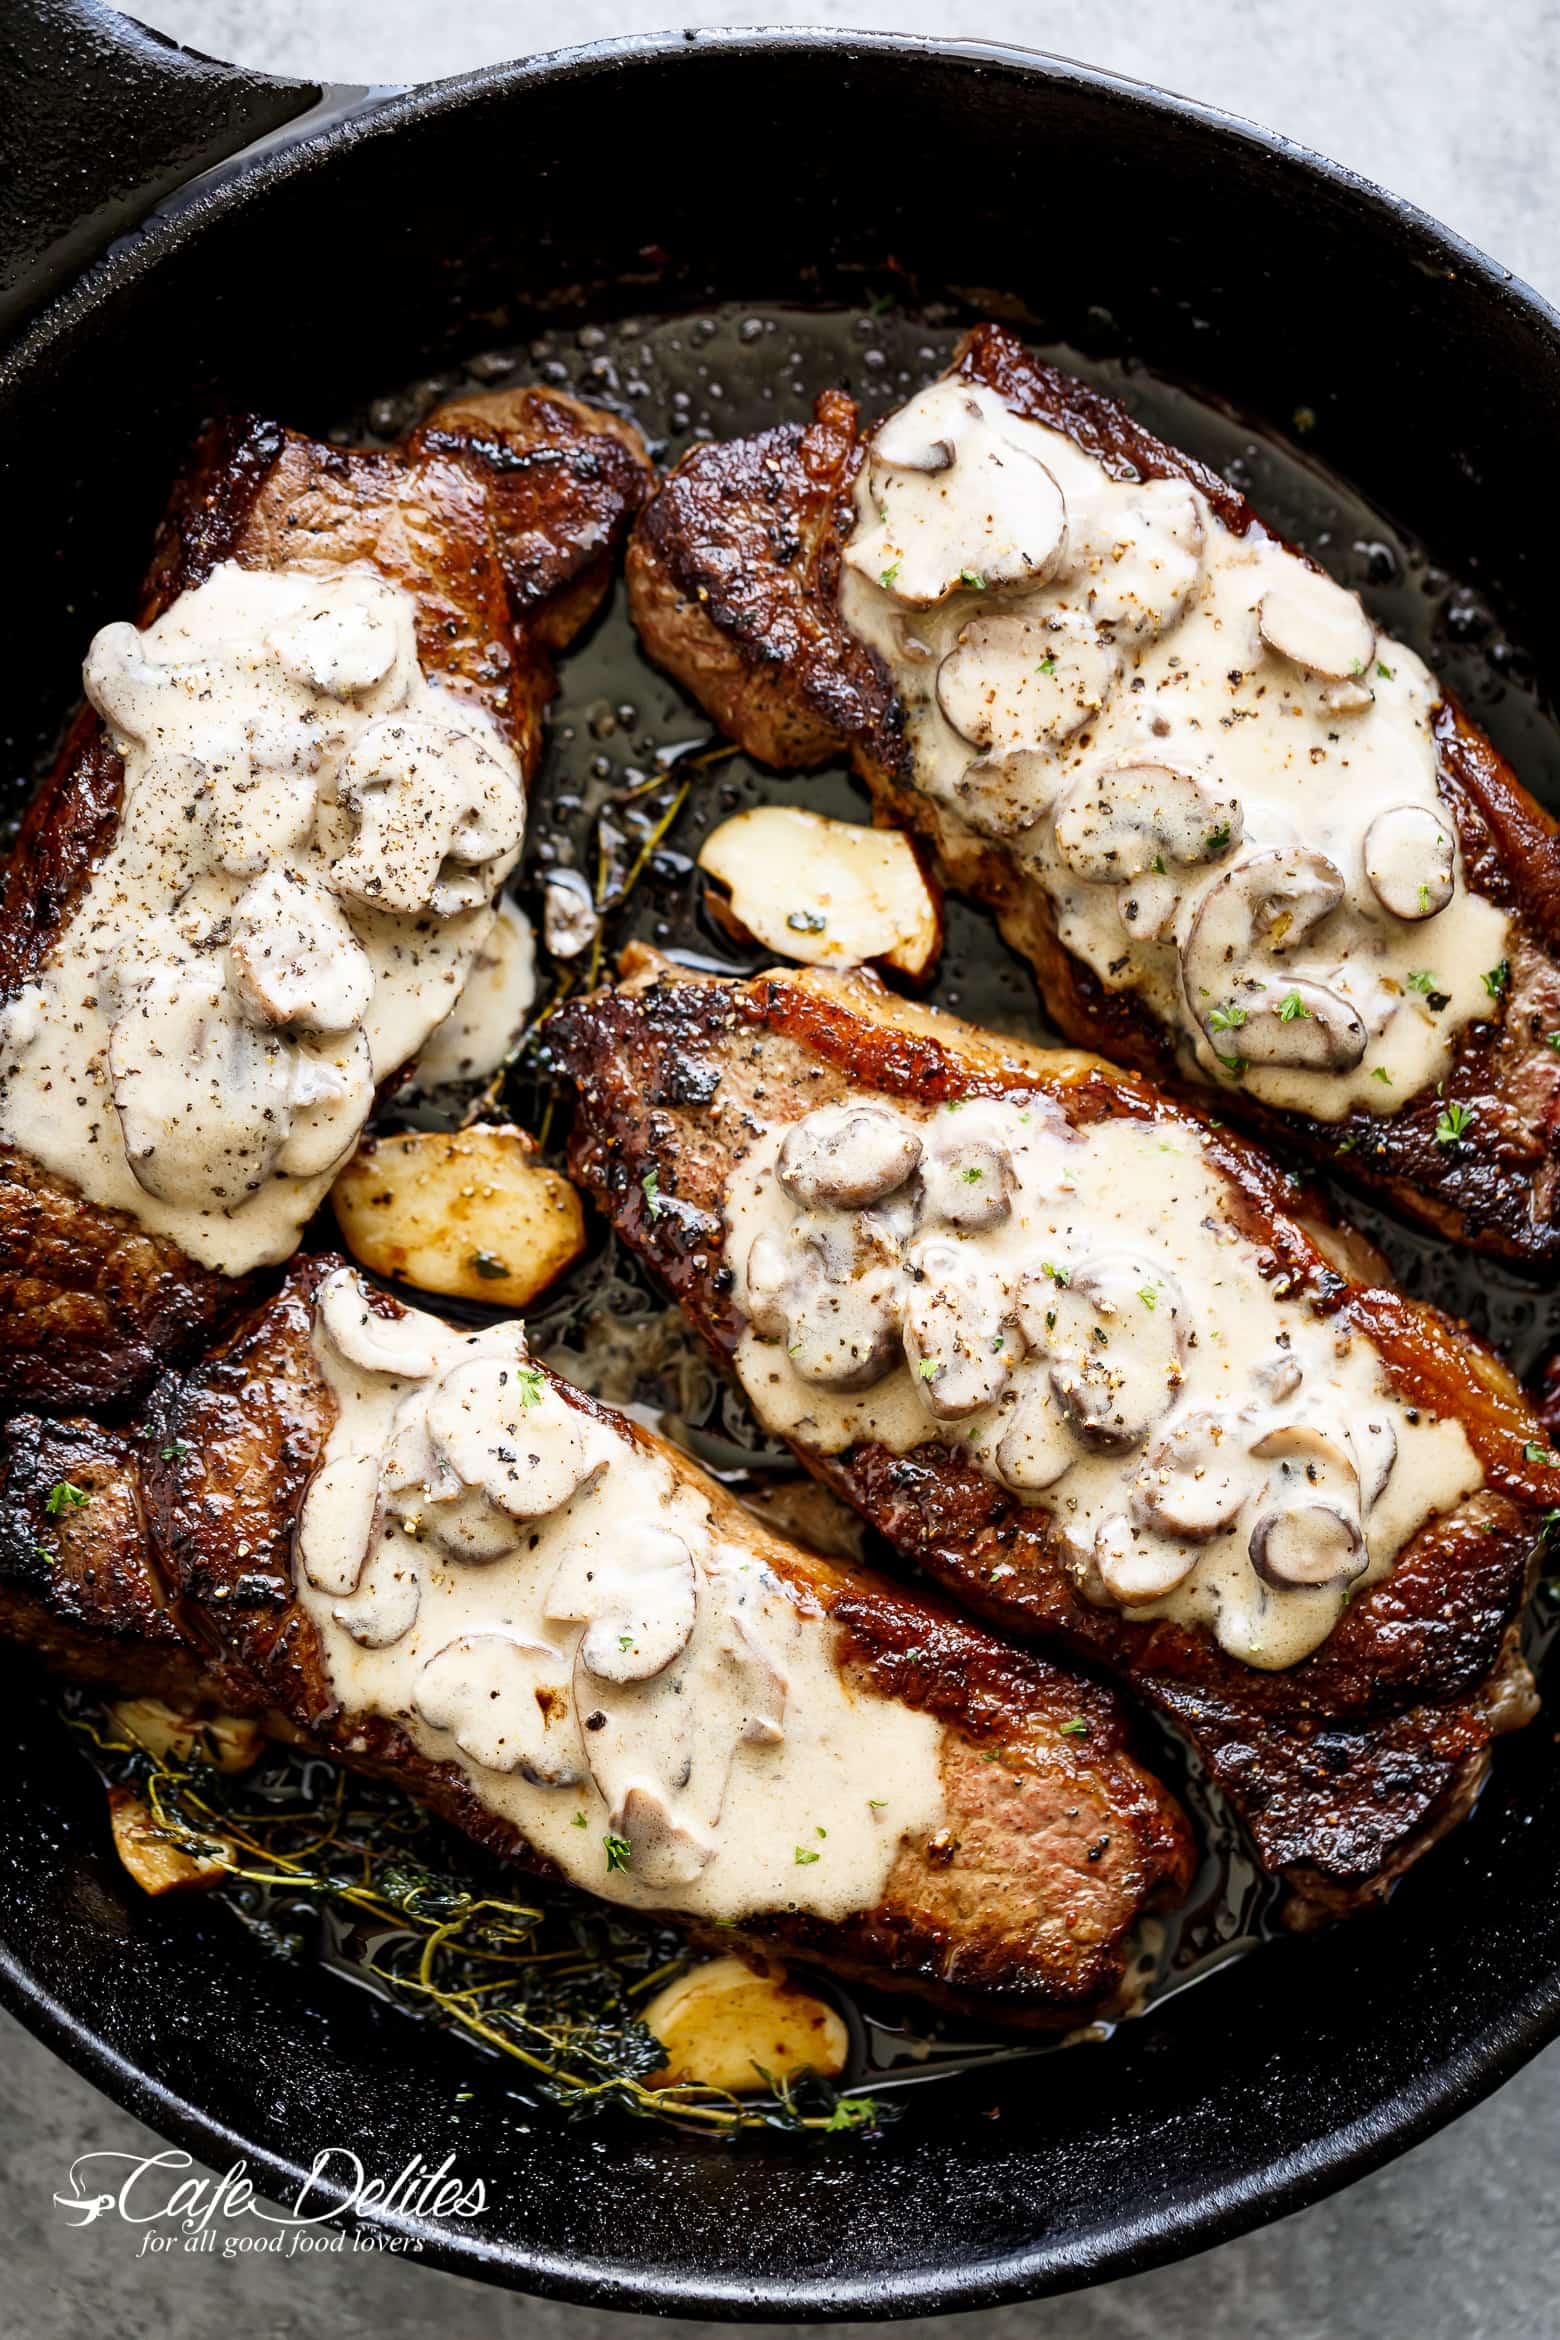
(174, 2207)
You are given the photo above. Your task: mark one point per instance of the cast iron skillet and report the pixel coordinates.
(365, 239)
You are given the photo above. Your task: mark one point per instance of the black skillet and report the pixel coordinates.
(369, 242)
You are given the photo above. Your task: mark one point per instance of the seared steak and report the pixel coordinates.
(1344, 1766)
(735, 570)
(501, 516)
(175, 1575)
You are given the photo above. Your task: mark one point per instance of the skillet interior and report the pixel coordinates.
(456, 221)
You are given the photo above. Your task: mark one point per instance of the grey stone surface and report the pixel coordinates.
(1459, 2238)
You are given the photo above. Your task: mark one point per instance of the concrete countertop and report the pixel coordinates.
(1459, 2237)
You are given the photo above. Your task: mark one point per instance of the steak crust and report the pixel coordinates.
(1343, 1768)
(175, 1577)
(501, 515)
(734, 571)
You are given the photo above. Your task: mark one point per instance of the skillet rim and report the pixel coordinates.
(1418, 2105)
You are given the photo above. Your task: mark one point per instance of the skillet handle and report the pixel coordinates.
(104, 119)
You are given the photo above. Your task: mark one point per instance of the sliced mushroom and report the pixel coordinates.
(845, 1156)
(1311, 1451)
(570, 919)
(958, 1342)
(1270, 902)
(405, 1345)
(506, 1704)
(293, 959)
(439, 817)
(466, 1526)
(664, 1850)
(638, 1602)
(1194, 1481)
(1013, 681)
(1147, 907)
(1306, 1545)
(843, 1335)
(1411, 861)
(765, 1685)
(121, 682)
(1135, 1566)
(1315, 624)
(1376, 1448)
(383, 1609)
(347, 641)
(500, 1426)
(1136, 818)
(1142, 554)
(1007, 791)
(1115, 1330)
(1278, 1376)
(967, 1173)
(1037, 1448)
(990, 518)
(336, 1522)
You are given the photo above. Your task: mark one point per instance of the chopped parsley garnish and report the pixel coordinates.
(929, 1368)
(1075, 1728)
(1381, 1073)
(1497, 978)
(1159, 865)
(972, 1176)
(1218, 840)
(1046, 666)
(1061, 1277)
(973, 579)
(804, 1857)
(580, 1820)
(489, 1265)
(63, 1496)
(886, 576)
(877, 1803)
(174, 1450)
(49, 1559)
(625, 1641)
(529, 1384)
(1227, 1019)
(806, 922)
(1148, 1296)
(1424, 898)
(1453, 1124)
(1290, 1006)
(619, 1852)
(1554, 1039)
(1421, 979)
(650, 1188)
(1384, 671)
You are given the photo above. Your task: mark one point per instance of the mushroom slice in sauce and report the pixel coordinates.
(499, 1427)
(345, 644)
(438, 817)
(1134, 1566)
(959, 503)
(1194, 1481)
(1142, 556)
(844, 1336)
(465, 1526)
(1307, 1545)
(336, 1522)
(1037, 1448)
(845, 1156)
(664, 1850)
(1410, 861)
(1269, 902)
(958, 1341)
(293, 959)
(638, 1602)
(1316, 625)
(1007, 791)
(383, 1609)
(967, 1173)
(1136, 818)
(764, 1683)
(506, 1704)
(205, 1102)
(1013, 681)
(1115, 1330)
(404, 1345)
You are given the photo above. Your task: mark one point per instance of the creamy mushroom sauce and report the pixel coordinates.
(484, 1026)
(310, 839)
(1222, 777)
(1078, 1314)
(532, 1596)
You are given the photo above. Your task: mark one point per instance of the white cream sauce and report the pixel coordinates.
(1078, 1313)
(532, 1596)
(1223, 778)
(485, 1025)
(310, 840)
